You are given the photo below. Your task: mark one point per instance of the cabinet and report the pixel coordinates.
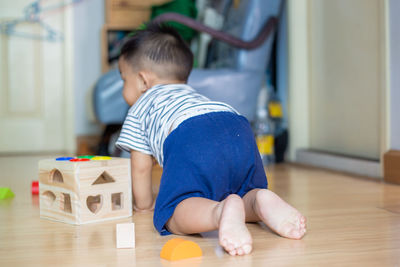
(122, 16)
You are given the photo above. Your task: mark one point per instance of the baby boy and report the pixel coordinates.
(213, 177)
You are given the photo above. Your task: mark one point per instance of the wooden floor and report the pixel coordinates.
(351, 222)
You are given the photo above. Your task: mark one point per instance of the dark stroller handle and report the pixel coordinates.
(266, 30)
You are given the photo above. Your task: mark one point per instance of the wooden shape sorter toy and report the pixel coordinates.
(85, 189)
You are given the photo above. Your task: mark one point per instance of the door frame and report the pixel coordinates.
(69, 107)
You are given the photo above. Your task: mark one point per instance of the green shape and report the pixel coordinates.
(85, 157)
(5, 193)
(183, 7)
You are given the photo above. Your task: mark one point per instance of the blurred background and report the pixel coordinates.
(324, 92)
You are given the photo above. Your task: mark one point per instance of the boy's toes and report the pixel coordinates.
(240, 251)
(302, 223)
(233, 249)
(243, 250)
(297, 233)
(247, 248)
(229, 247)
(232, 252)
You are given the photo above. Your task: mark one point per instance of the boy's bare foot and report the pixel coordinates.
(234, 236)
(279, 215)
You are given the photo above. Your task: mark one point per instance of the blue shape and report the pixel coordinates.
(64, 158)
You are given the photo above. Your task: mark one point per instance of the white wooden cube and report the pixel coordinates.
(80, 192)
(125, 234)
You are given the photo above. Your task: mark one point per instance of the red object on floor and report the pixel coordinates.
(35, 188)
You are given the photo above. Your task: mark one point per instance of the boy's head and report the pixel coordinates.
(153, 55)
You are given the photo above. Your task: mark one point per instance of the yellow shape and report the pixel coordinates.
(265, 144)
(101, 158)
(275, 109)
(179, 249)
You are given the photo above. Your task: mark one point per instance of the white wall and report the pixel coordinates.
(346, 72)
(394, 96)
(88, 21)
(299, 88)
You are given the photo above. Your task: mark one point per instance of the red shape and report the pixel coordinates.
(35, 187)
(83, 159)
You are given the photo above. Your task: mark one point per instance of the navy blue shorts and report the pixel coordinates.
(211, 156)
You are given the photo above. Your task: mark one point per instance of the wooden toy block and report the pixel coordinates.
(179, 249)
(5, 193)
(85, 190)
(125, 235)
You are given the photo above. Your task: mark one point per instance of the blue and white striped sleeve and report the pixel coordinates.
(132, 136)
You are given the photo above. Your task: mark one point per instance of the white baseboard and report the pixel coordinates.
(341, 163)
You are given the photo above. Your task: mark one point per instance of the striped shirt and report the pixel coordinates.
(157, 112)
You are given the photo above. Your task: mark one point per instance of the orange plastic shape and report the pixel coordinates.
(178, 249)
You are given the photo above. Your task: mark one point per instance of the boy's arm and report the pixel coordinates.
(142, 165)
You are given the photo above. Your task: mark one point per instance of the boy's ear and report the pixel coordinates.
(145, 80)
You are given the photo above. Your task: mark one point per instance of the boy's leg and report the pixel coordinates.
(197, 215)
(264, 205)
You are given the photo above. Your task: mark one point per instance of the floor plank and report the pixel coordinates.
(351, 222)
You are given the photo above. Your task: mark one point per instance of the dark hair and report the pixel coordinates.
(160, 44)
